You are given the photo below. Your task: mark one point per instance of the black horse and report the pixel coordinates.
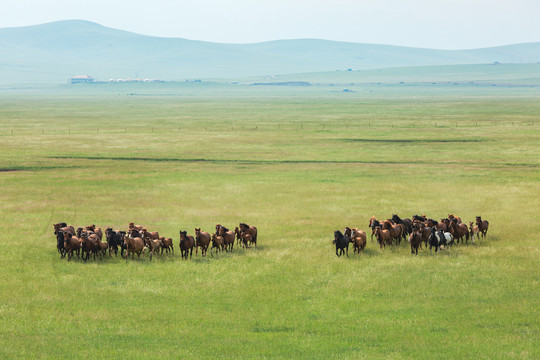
(115, 240)
(405, 222)
(435, 240)
(342, 243)
(60, 243)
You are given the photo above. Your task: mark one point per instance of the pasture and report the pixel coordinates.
(298, 164)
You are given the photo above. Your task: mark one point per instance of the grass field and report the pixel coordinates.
(298, 164)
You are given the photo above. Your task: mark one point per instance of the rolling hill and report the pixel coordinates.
(53, 52)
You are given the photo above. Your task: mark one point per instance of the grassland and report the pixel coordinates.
(298, 164)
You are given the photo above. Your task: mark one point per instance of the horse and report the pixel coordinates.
(434, 240)
(373, 223)
(405, 222)
(228, 237)
(383, 236)
(202, 239)
(246, 240)
(458, 231)
(134, 246)
(451, 216)
(396, 231)
(483, 226)
(415, 239)
(342, 243)
(217, 242)
(114, 239)
(425, 232)
(446, 238)
(474, 230)
(92, 228)
(186, 244)
(153, 245)
(167, 244)
(60, 243)
(136, 227)
(358, 238)
(443, 225)
(63, 227)
(153, 235)
(238, 234)
(251, 230)
(89, 244)
(71, 244)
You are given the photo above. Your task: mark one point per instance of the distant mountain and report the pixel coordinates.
(56, 51)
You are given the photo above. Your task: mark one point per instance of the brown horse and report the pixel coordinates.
(228, 237)
(71, 244)
(92, 229)
(202, 240)
(167, 244)
(246, 240)
(136, 227)
(451, 216)
(396, 231)
(358, 238)
(186, 244)
(153, 235)
(238, 234)
(483, 226)
(134, 246)
(415, 239)
(153, 245)
(217, 243)
(63, 227)
(251, 230)
(443, 225)
(425, 232)
(458, 231)
(89, 244)
(383, 236)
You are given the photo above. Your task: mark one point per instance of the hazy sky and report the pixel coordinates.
(442, 24)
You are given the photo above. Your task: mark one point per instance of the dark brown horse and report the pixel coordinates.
(228, 237)
(202, 240)
(373, 223)
(415, 239)
(483, 226)
(89, 244)
(186, 244)
(458, 231)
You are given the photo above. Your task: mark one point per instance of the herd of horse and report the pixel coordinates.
(438, 234)
(87, 241)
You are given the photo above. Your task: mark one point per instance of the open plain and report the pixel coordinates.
(298, 163)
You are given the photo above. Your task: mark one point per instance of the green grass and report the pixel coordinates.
(298, 166)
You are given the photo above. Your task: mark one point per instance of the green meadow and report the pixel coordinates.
(298, 163)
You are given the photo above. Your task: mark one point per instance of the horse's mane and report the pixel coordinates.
(396, 219)
(224, 228)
